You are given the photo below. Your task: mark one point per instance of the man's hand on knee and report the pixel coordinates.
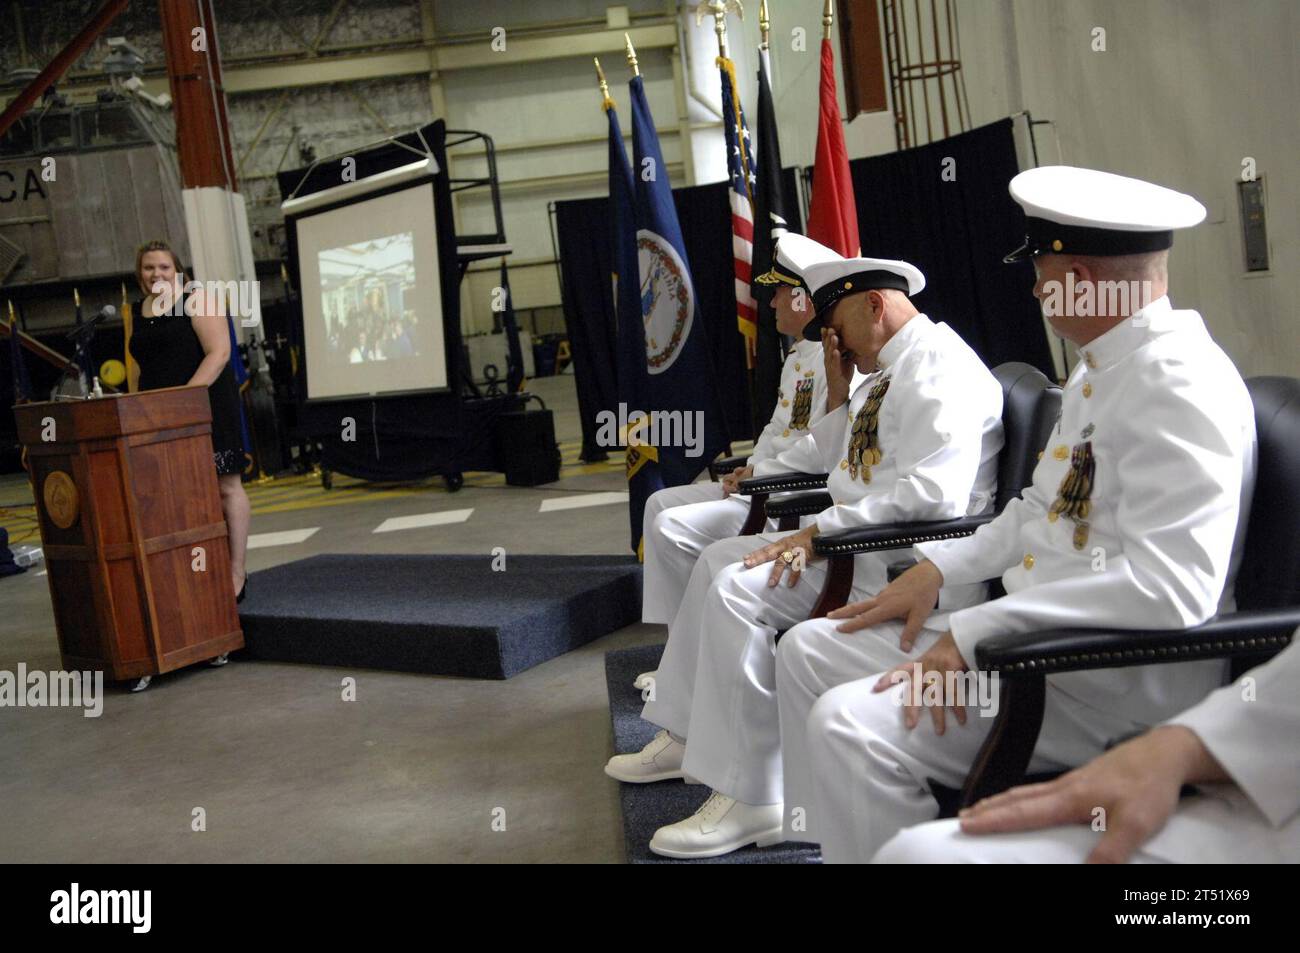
(911, 597)
(1128, 793)
(931, 669)
(788, 555)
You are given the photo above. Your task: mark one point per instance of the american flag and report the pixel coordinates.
(740, 168)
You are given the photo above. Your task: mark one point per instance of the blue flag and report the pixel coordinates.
(643, 476)
(85, 357)
(241, 382)
(22, 383)
(684, 428)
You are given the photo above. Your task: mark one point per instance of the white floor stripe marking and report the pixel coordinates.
(420, 520)
(578, 502)
(288, 537)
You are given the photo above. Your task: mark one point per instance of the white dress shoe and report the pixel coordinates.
(644, 680)
(721, 825)
(660, 760)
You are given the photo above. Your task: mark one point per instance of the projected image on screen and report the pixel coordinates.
(364, 291)
(372, 295)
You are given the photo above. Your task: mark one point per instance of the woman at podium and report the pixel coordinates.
(179, 341)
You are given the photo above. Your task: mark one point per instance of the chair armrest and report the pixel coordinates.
(1251, 632)
(798, 504)
(872, 539)
(783, 483)
(721, 468)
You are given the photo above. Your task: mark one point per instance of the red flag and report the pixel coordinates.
(832, 214)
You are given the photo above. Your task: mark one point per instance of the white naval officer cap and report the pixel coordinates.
(829, 281)
(1086, 212)
(794, 254)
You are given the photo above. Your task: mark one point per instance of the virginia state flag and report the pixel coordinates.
(685, 429)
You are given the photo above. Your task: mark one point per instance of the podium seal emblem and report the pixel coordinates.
(61, 502)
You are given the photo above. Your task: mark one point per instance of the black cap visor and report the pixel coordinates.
(825, 298)
(1046, 237)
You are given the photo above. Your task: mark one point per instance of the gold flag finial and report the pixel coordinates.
(76, 297)
(631, 56)
(607, 100)
(828, 17)
(764, 24)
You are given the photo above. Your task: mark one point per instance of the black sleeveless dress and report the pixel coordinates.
(169, 352)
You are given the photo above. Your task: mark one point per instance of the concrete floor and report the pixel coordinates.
(417, 768)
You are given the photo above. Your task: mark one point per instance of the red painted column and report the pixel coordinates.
(194, 71)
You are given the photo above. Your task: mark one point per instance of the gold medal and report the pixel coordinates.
(864, 441)
(801, 412)
(1074, 497)
(1080, 535)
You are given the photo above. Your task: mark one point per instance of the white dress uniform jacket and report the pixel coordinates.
(1170, 429)
(680, 521)
(1252, 728)
(1158, 428)
(939, 432)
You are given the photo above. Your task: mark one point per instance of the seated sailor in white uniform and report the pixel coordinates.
(1240, 749)
(917, 439)
(680, 521)
(1134, 519)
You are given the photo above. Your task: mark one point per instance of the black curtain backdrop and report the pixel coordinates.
(587, 291)
(704, 212)
(957, 232)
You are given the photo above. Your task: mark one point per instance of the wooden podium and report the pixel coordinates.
(131, 522)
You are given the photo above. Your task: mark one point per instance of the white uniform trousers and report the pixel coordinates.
(716, 685)
(679, 522)
(854, 775)
(1194, 833)
(942, 842)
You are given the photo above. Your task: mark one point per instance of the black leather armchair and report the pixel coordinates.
(724, 465)
(785, 510)
(1268, 611)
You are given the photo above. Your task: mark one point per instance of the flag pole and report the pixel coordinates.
(631, 56)
(828, 17)
(607, 102)
(718, 9)
(764, 25)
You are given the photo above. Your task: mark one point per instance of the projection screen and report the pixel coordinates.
(370, 284)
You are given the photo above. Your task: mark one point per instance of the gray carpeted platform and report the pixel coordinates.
(647, 807)
(440, 615)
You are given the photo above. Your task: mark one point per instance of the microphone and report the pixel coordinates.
(103, 314)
